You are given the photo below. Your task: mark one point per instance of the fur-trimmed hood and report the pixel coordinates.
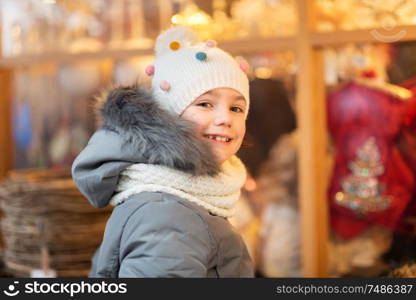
(134, 129)
(160, 137)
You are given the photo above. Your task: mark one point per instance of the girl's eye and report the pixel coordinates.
(237, 109)
(204, 104)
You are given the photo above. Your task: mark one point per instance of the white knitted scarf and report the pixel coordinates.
(218, 194)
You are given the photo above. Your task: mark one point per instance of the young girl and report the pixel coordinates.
(165, 158)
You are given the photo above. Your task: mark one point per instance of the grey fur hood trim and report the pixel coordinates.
(135, 130)
(158, 136)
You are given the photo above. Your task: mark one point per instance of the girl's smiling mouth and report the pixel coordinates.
(218, 138)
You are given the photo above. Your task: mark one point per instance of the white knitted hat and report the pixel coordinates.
(185, 69)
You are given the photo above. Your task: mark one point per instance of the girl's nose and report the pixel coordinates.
(223, 117)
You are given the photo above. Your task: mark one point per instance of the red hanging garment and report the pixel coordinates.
(371, 182)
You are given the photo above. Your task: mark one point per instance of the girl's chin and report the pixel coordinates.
(218, 150)
(221, 158)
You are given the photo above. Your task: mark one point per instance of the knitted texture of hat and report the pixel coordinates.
(185, 69)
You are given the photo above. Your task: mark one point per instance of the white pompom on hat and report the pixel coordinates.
(184, 69)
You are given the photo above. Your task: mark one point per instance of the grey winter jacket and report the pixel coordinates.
(154, 234)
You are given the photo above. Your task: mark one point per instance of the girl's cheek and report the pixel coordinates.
(201, 121)
(200, 127)
(243, 128)
(195, 118)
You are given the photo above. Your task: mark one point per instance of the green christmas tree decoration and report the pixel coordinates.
(361, 190)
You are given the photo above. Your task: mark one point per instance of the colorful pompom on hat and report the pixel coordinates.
(184, 69)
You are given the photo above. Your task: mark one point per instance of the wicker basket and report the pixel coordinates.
(43, 209)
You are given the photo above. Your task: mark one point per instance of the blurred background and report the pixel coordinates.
(318, 68)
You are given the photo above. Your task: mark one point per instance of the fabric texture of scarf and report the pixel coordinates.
(218, 194)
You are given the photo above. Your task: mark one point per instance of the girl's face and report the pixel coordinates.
(221, 120)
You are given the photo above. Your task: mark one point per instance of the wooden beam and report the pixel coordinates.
(6, 148)
(310, 106)
(373, 35)
(236, 47)
(60, 57)
(243, 46)
(247, 46)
